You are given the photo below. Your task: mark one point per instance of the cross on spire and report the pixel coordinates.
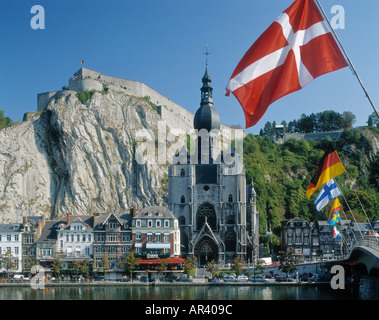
(206, 54)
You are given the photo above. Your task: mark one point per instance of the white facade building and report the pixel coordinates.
(75, 238)
(10, 247)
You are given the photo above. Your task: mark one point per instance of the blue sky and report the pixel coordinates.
(161, 43)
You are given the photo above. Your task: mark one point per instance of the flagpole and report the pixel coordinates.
(366, 215)
(351, 212)
(348, 59)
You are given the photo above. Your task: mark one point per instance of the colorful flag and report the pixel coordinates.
(335, 208)
(334, 218)
(82, 61)
(329, 192)
(296, 48)
(329, 167)
(336, 232)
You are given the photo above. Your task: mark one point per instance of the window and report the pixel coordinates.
(158, 237)
(16, 237)
(112, 225)
(230, 198)
(100, 238)
(166, 237)
(72, 238)
(149, 237)
(182, 199)
(138, 235)
(167, 223)
(182, 172)
(112, 237)
(138, 223)
(149, 223)
(158, 223)
(9, 237)
(84, 237)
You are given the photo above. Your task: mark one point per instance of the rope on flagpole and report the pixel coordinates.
(348, 59)
(351, 212)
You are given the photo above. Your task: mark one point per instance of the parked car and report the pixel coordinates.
(171, 278)
(242, 278)
(258, 278)
(184, 279)
(20, 277)
(230, 279)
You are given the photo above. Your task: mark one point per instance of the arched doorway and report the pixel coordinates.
(206, 251)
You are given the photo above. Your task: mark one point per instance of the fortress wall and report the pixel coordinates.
(81, 85)
(43, 99)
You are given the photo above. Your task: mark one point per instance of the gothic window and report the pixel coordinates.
(182, 199)
(182, 220)
(182, 173)
(230, 198)
(206, 211)
(230, 241)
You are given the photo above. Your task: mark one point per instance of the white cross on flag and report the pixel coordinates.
(294, 50)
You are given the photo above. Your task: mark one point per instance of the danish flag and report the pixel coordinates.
(297, 48)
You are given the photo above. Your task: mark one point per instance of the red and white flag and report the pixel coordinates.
(294, 50)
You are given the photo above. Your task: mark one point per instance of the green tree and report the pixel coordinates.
(211, 267)
(237, 265)
(5, 121)
(190, 266)
(287, 262)
(162, 265)
(130, 263)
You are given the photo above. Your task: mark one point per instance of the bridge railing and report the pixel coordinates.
(369, 241)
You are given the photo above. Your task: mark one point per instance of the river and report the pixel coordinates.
(169, 292)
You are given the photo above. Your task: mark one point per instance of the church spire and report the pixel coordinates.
(206, 116)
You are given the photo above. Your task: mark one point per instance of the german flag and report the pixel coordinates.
(329, 167)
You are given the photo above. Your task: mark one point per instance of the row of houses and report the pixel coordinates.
(314, 240)
(101, 237)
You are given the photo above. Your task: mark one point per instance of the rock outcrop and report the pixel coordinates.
(79, 158)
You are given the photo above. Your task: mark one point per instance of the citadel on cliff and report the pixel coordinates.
(215, 208)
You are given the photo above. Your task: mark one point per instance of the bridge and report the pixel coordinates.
(364, 257)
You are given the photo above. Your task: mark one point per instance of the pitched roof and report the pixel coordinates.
(10, 227)
(155, 212)
(49, 231)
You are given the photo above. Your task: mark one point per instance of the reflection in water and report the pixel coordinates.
(167, 292)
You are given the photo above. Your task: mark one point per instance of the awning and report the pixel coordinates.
(171, 260)
(157, 246)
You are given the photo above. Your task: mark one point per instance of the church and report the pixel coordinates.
(215, 208)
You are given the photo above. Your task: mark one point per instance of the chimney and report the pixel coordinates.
(133, 212)
(68, 218)
(40, 226)
(25, 220)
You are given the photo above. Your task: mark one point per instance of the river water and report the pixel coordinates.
(167, 292)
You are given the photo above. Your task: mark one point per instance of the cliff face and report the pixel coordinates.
(78, 158)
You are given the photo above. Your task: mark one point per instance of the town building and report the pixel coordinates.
(111, 240)
(31, 230)
(155, 233)
(314, 240)
(11, 247)
(208, 195)
(46, 245)
(75, 239)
